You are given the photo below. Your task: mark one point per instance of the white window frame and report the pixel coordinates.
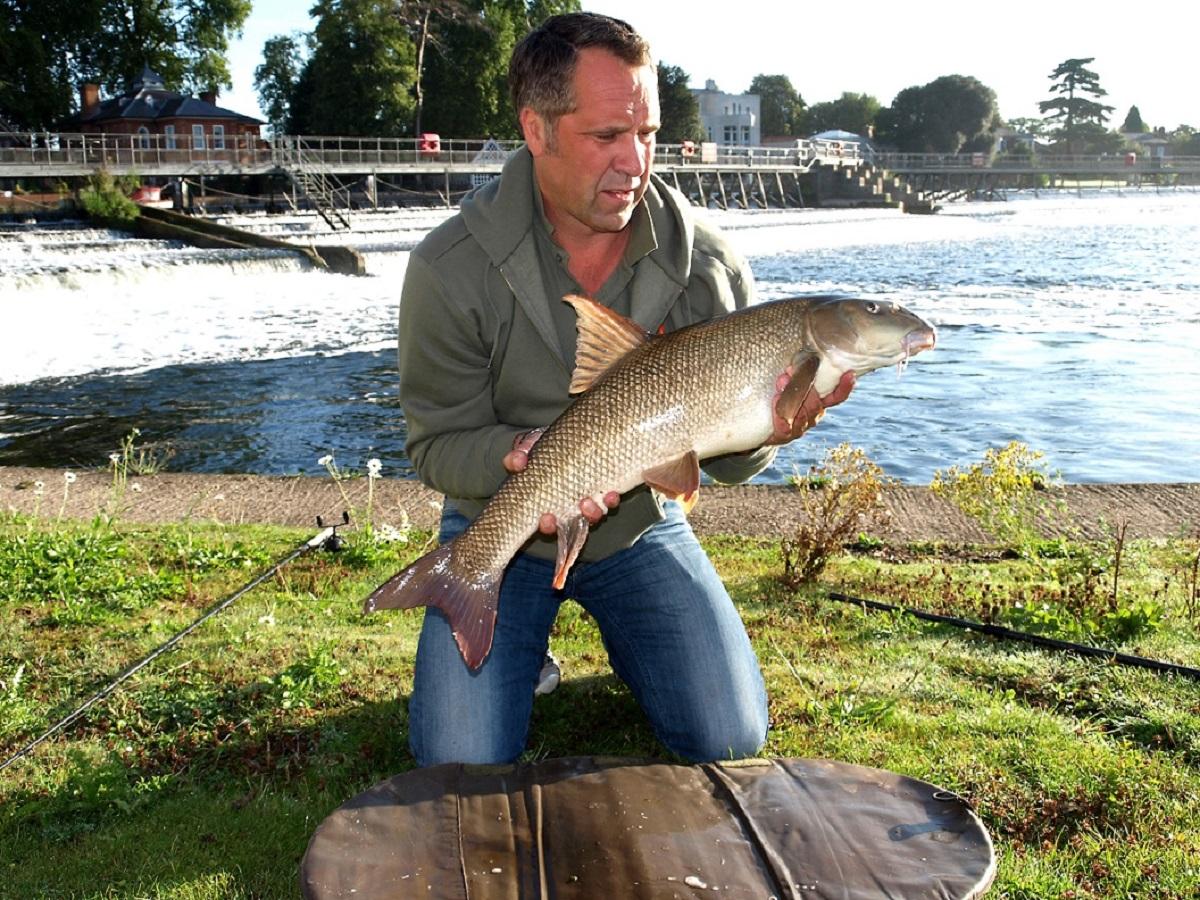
(143, 137)
(169, 133)
(218, 137)
(197, 137)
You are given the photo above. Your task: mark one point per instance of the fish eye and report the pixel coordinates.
(871, 306)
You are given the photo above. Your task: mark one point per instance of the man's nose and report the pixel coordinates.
(632, 154)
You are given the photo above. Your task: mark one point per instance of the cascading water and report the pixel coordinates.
(1069, 323)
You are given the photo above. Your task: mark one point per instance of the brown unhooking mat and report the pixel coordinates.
(608, 829)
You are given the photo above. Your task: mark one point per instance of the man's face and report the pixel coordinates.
(594, 167)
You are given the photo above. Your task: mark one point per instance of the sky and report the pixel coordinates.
(874, 48)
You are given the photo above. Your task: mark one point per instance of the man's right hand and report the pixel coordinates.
(516, 460)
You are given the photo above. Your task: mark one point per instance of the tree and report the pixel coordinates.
(949, 114)
(782, 106)
(1185, 141)
(1070, 80)
(398, 67)
(1133, 122)
(850, 112)
(51, 46)
(358, 78)
(275, 78)
(680, 111)
(1036, 127)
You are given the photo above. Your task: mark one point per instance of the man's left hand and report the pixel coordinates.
(811, 410)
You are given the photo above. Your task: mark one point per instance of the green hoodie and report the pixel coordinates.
(481, 359)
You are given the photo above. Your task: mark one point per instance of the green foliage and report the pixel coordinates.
(385, 68)
(850, 112)
(270, 716)
(1133, 121)
(79, 576)
(107, 199)
(951, 114)
(308, 680)
(783, 109)
(358, 77)
(464, 85)
(50, 47)
(679, 109)
(276, 76)
(841, 498)
(1005, 494)
(1080, 119)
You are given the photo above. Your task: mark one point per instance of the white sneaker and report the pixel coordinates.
(549, 677)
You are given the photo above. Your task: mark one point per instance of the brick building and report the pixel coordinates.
(164, 119)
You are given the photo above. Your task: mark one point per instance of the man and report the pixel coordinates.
(486, 352)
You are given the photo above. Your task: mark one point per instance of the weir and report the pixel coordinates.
(164, 224)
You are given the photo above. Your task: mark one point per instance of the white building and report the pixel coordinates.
(731, 120)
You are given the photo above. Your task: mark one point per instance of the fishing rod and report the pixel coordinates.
(326, 539)
(999, 631)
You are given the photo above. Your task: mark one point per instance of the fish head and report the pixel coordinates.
(862, 334)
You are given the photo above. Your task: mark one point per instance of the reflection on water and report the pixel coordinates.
(272, 416)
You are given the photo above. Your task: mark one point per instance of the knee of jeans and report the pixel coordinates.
(734, 737)
(461, 745)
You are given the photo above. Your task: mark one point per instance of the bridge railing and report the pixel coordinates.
(153, 151)
(1107, 162)
(110, 150)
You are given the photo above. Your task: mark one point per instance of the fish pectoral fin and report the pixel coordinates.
(604, 337)
(572, 535)
(678, 479)
(801, 383)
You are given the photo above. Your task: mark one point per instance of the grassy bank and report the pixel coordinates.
(205, 775)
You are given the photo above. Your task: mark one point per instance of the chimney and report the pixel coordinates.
(89, 98)
(209, 97)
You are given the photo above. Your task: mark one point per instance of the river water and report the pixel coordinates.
(1069, 322)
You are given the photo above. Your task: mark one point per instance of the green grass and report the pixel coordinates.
(205, 775)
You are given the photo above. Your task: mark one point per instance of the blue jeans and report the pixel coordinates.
(671, 632)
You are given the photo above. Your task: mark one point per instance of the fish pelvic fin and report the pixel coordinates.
(572, 535)
(678, 479)
(469, 603)
(604, 337)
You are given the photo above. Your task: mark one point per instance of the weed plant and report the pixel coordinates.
(841, 497)
(107, 198)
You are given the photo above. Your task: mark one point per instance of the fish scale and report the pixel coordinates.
(708, 389)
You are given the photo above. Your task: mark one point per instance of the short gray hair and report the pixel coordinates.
(542, 68)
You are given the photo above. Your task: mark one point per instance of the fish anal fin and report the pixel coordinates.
(469, 603)
(572, 535)
(604, 337)
(801, 382)
(678, 478)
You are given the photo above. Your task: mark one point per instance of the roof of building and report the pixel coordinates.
(148, 99)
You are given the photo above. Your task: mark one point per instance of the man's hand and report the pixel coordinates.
(517, 458)
(811, 410)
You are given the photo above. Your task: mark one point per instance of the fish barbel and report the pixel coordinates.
(649, 409)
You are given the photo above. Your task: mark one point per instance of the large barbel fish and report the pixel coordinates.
(649, 409)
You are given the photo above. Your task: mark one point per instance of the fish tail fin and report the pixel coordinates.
(469, 603)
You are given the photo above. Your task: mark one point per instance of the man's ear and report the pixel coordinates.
(536, 131)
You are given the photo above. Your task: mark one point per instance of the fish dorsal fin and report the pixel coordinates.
(604, 337)
(678, 478)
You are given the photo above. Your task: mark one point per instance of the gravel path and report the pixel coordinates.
(1151, 510)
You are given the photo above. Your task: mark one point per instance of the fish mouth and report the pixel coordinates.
(917, 340)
